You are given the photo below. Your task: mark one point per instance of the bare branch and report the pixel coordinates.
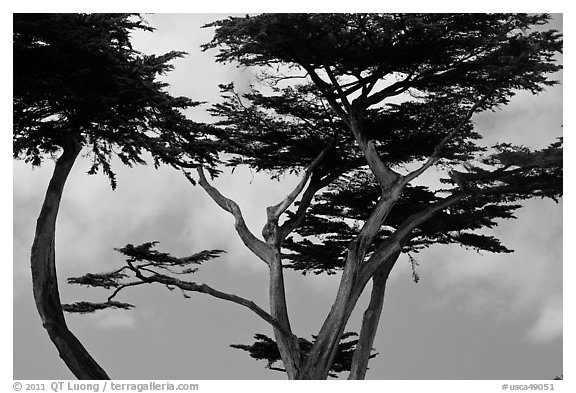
(275, 211)
(305, 201)
(329, 94)
(518, 188)
(258, 247)
(203, 288)
(395, 242)
(274, 80)
(370, 320)
(438, 149)
(389, 91)
(269, 253)
(385, 176)
(338, 88)
(383, 173)
(121, 287)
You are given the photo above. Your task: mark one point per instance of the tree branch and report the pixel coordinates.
(518, 188)
(370, 320)
(389, 91)
(121, 287)
(275, 211)
(270, 254)
(395, 242)
(403, 232)
(381, 262)
(203, 288)
(385, 176)
(325, 88)
(438, 149)
(324, 348)
(338, 88)
(307, 197)
(258, 247)
(45, 279)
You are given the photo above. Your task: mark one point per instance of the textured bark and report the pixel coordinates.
(274, 212)
(401, 235)
(287, 345)
(269, 252)
(274, 235)
(257, 246)
(319, 360)
(385, 176)
(45, 280)
(315, 185)
(320, 357)
(370, 321)
(356, 276)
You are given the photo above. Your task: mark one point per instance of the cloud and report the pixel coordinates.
(111, 319)
(523, 286)
(548, 326)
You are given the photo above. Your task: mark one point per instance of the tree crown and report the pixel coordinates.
(79, 80)
(410, 81)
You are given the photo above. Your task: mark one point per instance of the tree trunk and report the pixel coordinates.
(320, 358)
(317, 364)
(370, 321)
(44, 278)
(287, 345)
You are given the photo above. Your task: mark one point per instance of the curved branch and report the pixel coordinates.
(370, 320)
(45, 280)
(385, 175)
(258, 247)
(203, 288)
(338, 88)
(389, 91)
(395, 242)
(401, 235)
(121, 287)
(269, 253)
(381, 262)
(274, 212)
(438, 149)
(325, 88)
(287, 227)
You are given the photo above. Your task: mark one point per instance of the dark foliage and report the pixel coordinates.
(88, 307)
(266, 349)
(77, 79)
(392, 92)
(143, 264)
(383, 98)
(445, 54)
(333, 221)
(437, 65)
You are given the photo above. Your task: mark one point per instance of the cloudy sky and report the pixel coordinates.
(471, 316)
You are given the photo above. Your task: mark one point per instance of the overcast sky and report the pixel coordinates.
(471, 316)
